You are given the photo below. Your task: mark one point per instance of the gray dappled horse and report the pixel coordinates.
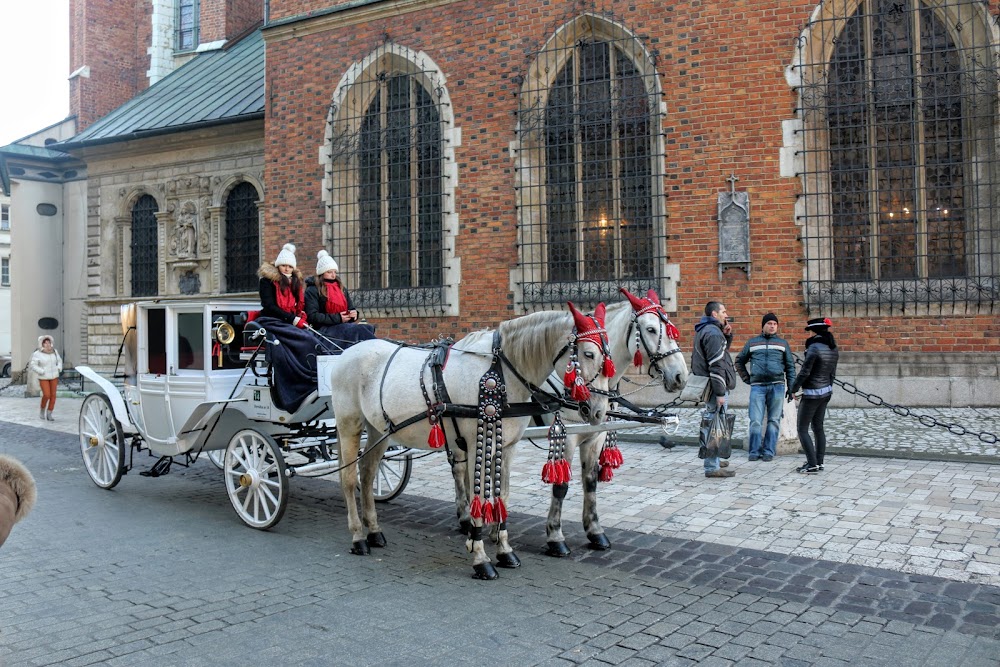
(389, 389)
(639, 332)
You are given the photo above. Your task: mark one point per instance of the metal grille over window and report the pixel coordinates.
(242, 239)
(898, 157)
(386, 179)
(589, 158)
(145, 236)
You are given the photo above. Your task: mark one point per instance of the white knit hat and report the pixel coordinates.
(325, 263)
(286, 256)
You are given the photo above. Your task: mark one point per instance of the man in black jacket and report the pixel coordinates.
(710, 358)
(771, 367)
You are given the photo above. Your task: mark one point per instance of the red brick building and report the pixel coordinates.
(468, 162)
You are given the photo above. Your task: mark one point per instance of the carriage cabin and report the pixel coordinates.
(187, 357)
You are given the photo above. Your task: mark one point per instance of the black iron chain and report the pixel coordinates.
(927, 420)
(10, 380)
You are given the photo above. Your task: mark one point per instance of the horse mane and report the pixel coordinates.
(530, 341)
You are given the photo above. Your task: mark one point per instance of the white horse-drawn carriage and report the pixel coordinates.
(197, 380)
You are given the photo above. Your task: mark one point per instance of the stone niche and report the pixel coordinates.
(187, 225)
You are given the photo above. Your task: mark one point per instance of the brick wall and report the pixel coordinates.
(721, 67)
(111, 39)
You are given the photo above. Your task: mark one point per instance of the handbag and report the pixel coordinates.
(696, 389)
(719, 434)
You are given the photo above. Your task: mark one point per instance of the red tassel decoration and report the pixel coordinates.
(501, 510)
(567, 471)
(488, 513)
(637, 359)
(569, 377)
(611, 457)
(435, 440)
(580, 392)
(547, 472)
(609, 367)
(476, 508)
(606, 474)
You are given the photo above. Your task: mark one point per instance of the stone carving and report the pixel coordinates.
(734, 228)
(184, 244)
(189, 283)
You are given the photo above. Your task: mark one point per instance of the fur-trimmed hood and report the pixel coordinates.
(15, 475)
(41, 339)
(270, 272)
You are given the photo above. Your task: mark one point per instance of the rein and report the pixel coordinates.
(668, 327)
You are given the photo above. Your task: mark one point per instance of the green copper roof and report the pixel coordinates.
(214, 88)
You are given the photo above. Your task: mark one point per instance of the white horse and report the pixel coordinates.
(639, 331)
(393, 390)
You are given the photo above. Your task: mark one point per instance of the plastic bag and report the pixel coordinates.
(716, 440)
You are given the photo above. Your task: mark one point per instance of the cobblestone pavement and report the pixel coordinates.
(160, 572)
(875, 561)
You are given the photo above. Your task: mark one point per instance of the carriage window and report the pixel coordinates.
(156, 341)
(190, 341)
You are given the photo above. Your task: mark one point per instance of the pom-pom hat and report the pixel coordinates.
(819, 324)
(324, 263)
(286, 257)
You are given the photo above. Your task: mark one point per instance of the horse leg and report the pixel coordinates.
(348, 444)
(458, 459)
(505, 553)
(555, 541)
(369, 469)
(590, 452)
(481, 565)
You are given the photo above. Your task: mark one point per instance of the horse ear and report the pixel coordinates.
(581, 321)
(637, 305)
(653, 296)
(600, 312)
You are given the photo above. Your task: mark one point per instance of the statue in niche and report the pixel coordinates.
(185, 241)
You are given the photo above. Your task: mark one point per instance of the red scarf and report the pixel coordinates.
(287, 301)
(336, 302)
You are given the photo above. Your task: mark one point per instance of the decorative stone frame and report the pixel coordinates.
(979, 35)
(343, 112)
(217, 216)
(528, 150)
(123, 238)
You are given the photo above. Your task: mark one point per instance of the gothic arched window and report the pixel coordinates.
(145, 239)
(242, 254)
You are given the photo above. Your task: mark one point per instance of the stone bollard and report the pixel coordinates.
(788, 434)
(32, 388)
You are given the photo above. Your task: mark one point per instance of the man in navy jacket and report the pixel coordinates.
(771, 370)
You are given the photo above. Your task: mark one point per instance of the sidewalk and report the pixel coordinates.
(924, 502)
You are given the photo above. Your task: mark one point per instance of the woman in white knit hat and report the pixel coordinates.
(282, 290)
(329, 307)
(47, 365)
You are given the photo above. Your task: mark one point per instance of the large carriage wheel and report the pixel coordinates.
(101, 441)
(393, 474)
(256, 478)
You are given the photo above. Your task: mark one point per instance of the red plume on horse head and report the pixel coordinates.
(591, 327)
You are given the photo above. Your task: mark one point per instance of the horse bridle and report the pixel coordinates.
(605, 347)
(667, 329)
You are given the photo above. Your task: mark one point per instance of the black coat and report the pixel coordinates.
(819, 368)
(269, 294)
(316, 313)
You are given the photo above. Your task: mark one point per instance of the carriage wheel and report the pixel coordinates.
(217, 457)
(101, 441)
(256, 478)
(393, 474)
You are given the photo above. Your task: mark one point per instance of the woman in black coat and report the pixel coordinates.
(329, 308)
(281, 289)
(816, 382)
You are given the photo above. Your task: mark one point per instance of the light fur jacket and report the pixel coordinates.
(46, 366)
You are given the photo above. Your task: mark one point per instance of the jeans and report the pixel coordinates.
(812, 412)
(772, 396)
(711, 407)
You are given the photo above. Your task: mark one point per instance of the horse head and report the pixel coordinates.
(656, 340)
(590, 366)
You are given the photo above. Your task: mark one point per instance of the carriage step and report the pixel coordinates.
(160, 468)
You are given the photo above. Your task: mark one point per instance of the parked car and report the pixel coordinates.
(4, 365)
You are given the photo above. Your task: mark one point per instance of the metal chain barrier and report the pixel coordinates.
(927, 420)
(10, 380)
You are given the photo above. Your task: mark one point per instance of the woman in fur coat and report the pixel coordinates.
(282, 292)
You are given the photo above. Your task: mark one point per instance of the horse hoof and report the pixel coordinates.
(556, 549)
(360, 549)
(599, 542)
(485, 571)
(376, 540)
(465, 527)
(508, 560)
